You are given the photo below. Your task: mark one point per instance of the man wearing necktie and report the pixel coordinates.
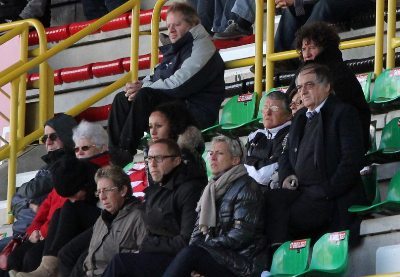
(319, 169)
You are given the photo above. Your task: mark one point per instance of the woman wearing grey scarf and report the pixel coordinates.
(228, 235)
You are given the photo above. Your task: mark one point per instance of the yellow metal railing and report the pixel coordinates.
(18, 72)
(272, 57)
(392, 41)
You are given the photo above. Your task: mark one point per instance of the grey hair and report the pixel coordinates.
(91, 131)
(322, 72)
(281, 96)
(235, 146)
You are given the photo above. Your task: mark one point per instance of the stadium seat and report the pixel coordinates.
(388, 206)
(329, 255)
(386, 90)
(291, 258)
(371, 189)
(365, 82)
(208, 166)
(237, 113)
(389, 147)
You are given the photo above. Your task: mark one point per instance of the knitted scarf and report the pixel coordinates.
(214, 190)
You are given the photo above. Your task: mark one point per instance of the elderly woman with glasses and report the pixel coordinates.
(228, 234)
(79, 213)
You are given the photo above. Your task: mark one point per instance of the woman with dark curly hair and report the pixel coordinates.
(319, 42)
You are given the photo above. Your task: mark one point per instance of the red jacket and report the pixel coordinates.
(45, 213)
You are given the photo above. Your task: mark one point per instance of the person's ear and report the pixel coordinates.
(124, 191)
(235, 160)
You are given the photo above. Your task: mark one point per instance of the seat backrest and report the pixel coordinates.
(387, 86)
(330, 253)
(291, 257)
(365, 82)
(238, 112)
(390, 139)
(393, 193)
(371, 186)
(207, 161)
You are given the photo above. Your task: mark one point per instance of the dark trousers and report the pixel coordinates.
(323, 10)
(194, 258)
(70, 220)
(72, 255)
(296, 215)
(26, 257)
(97, 8)
(135, 265)
(128, 120)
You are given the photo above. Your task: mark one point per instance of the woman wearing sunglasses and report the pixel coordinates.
(80, 211)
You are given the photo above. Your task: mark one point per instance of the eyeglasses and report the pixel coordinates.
(296, 103)
(104, 191)
(159, 158)
(83, 148)
(307, 85)
(271, 108)
(52, 137)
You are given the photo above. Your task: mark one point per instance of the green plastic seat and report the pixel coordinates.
(365, 82)
(208, 166)
(235, 115)
(329, 255)
(389, 147)
(390, 205)
(387, 87)
(290, 258)
(371, 189)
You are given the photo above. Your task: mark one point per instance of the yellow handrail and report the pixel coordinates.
(272, 57)
(155, 30)
(392, 42)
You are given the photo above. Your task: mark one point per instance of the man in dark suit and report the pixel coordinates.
(319, 169)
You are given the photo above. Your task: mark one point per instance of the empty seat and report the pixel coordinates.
(329, 255)
(388, 206)
(386, 90)
(291, 258)
(238, 112)
(389, 147)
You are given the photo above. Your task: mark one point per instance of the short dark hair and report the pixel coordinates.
(189, 13)
(321, 33)
(172, 146)
(178, 116)
(117, 176)
(322, 72)
(281, 96)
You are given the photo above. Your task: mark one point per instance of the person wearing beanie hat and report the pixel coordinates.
(73, 181)
(58, 142)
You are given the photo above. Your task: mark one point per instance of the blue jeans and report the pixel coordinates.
(194, 258)
(324, 10)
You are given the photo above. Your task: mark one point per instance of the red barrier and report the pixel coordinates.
(94, 113)
(77, 26)
(108, 68)
(78, 73)
(117, 23)
(223, 44)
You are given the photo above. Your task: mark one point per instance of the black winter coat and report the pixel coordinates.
(346, 87)
(338, 155)
(169, 211)
(238, 237)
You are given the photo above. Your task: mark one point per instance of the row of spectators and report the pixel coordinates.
(295, 178)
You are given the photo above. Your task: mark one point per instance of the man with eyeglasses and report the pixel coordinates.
(58, 142)
(319, 168)
(264, 146)
(169, 213)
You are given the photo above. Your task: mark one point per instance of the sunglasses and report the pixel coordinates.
(52, 137)
(83, 148)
